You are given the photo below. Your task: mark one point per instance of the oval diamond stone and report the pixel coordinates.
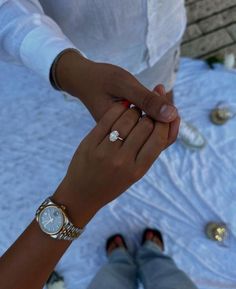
(113, 136)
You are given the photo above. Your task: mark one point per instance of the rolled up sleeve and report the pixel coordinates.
(30, 37)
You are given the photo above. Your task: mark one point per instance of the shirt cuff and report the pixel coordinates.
(41, 46)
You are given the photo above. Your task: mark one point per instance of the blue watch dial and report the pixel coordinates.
(51, 220)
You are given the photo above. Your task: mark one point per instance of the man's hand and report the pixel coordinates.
(99, 85)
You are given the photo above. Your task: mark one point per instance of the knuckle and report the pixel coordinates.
(172, 139)
(148, 123)
(99, 155)
(163, 143)
(127, 120)
(136, 112)
(137, 173)
(133, 114)
(118, 163)
(124, 123)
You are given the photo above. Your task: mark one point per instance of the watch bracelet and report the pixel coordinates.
(69, 232)
(44, 204)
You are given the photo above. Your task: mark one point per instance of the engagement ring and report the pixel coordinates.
(114, 136)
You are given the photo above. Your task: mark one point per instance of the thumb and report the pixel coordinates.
(154, 104)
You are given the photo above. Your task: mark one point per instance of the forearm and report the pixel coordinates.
(30, 260)
(98, 173)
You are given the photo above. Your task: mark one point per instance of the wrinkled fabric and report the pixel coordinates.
(180, 194)
(133, 34)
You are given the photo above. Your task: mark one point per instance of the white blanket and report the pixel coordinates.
(184, 190)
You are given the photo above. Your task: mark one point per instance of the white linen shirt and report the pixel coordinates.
(133, 34)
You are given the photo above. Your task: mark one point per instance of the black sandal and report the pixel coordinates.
(156, 233)
(111, 239)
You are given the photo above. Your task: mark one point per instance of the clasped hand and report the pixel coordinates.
(101, 170)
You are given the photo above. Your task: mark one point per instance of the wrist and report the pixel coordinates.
(67, 70)
(79, 211)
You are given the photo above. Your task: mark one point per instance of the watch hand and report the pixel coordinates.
(46, 223)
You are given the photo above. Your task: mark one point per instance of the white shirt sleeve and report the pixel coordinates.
(28, 36)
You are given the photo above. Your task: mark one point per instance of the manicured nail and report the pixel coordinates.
(149, 235)
(118, 239)
(161, 89)
(126, 103)
(168, 112)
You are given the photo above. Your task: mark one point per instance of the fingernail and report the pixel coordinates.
(156, 93)
(149, 235)
(168, 112)
(118, 239)
(126, 103)
(162, 90)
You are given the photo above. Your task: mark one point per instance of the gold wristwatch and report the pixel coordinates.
(53, 221)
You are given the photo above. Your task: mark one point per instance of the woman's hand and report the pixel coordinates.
(101, 170)
(99, 85)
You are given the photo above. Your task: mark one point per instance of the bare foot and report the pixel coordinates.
(151, 236)
(115, 243)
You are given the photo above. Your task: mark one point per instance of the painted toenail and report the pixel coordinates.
(149, 235)
(118, 239)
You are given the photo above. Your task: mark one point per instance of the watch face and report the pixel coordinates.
(51, 220)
